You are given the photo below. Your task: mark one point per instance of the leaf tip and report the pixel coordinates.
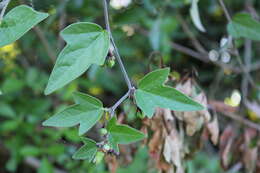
(82, 130)
(75, 157)
(197, 106)
(48, 90)
(45, 123)
(48, 122)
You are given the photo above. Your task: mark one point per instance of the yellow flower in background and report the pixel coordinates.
(234, 100)
(218, 12)
(252, 115)
(96, 91)
(8, 54)
(227, 72)
(9, 51)
(52, 11)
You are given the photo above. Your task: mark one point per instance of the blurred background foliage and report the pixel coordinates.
(145, 31)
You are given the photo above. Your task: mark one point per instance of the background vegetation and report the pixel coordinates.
(149, 34)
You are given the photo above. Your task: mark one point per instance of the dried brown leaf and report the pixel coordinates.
(213, 129)
(202, 99)
(194, 122)
(173, 150)
(185, 88)
(250, 153)
(226, 153)
(226, 141)
(112, 163)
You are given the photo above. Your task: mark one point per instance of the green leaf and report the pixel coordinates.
(122, 134)
(243, 25)
(87, 112)
(45, 167)
(87, 44)
(17, 22)
(113, 143)
(87, 151)
(12, 85)
(152, 93)
(6, 110)
(30, 151)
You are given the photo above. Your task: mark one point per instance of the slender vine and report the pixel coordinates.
(117, 55)
(130, 86)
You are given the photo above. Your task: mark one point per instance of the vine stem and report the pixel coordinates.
(117, 55)
(239, 59)
(130, 86)
(113, 108)
(225, 10)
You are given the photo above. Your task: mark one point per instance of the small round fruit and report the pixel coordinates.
(213, 55)
(225, 57)
(106, 147)
(103, 131)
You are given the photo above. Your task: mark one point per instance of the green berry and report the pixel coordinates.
(111, 63)
(103, 131)
(106, 147)
(213, 55)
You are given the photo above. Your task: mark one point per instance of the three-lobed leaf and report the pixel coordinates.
(87, 151)
(152, 93)
(122, 134)
(86, 112)
(17, 22)
(87, 44)
(243, 25)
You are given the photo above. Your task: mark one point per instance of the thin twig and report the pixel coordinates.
(241, 120)
(225, 10)
(244, 70)
(62, 24)
(197, 45)
(239, 59)
(45, 43)
(254, 67)
(203, 57)
(214, 86)
(245, 81)
(5, 4)
(117, 55)
(234, 116)
(190, 52)
(121, 65)
(62, 21)
(115, 106)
